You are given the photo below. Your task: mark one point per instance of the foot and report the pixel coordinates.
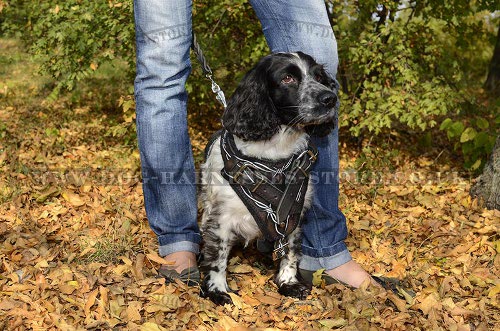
(218, 297)
(180, 261)
(295, 290)
(351, 273)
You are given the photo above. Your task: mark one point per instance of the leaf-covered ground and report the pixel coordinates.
(77, 252)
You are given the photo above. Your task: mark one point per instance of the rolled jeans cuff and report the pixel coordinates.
(308, 262)
(180, 246)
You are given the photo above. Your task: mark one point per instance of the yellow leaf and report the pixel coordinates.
(238, 303)
(150, 326)
(114, 308)
(90, 301)
(267, 299)
(42, 264)
(121, 269)
(73, 283)
(126, 260)
(68, 288)
(168, 301)
(364, 245)
(51, 191)
(459, 311)
(155, 258)
(227, 323)
(401, 251)
(399, 303)
(240, 269)
(72, 198)
(133, 309)
(250, 300)
(93, 66)
(317, 279)
(333, 323)
(493, 292)
(430, 303)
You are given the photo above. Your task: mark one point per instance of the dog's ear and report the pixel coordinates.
(250, 113)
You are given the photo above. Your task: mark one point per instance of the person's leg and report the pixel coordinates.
(296, 25)
(163, 39)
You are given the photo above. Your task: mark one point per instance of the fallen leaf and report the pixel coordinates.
(90, 301)
(429, 303)
(150, 326)
(74, 199)
(268, 299)
(317, 278)
(240, 268)
(133, 311)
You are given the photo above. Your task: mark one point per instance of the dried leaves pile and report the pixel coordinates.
(77, 252)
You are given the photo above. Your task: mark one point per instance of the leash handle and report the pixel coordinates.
(219, 94)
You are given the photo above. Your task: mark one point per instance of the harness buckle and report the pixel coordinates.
(239, 172)
(261, 181)
(312, 156)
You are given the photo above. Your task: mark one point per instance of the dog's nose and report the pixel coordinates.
(328, 99)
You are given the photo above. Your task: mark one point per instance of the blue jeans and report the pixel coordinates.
(163, 38)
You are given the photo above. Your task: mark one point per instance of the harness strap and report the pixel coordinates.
(293, 190)
(211, 142)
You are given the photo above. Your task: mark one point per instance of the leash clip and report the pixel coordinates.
(218, 91)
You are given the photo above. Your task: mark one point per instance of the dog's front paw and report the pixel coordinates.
(295, 290)
(218, 297)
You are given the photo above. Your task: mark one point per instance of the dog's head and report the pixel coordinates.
(283, 89)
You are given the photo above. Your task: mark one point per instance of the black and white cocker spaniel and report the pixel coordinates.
(255, 179)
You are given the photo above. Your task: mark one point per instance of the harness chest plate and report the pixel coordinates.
(272, 191)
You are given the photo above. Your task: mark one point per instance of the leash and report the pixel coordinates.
(219, 94)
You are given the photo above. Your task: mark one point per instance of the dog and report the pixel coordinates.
(264, 151)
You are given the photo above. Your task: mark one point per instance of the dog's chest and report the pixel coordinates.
(220, 199)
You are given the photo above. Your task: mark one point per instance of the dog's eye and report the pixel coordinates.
(288, 79)
(317, 77)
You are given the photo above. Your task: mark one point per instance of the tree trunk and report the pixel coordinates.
(487, 186)
(492, 84)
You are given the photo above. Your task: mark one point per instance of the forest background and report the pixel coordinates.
(419, 119)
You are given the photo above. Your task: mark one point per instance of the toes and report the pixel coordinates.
(295, 290)
(218, 297)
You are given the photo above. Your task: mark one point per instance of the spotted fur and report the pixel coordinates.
(280, 102)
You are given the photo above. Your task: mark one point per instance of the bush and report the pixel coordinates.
(474, 138)
(403, 65)
(72, 38)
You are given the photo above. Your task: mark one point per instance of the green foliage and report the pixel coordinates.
(231, 38)
(72, 38)
(474, 138)
(403, 65)
(408, 64)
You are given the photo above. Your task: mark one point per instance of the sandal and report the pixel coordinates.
(388, 283)
(313, 277)
(189, 276)
(396, 286)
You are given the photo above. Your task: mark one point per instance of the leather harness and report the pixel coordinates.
(273, 191)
